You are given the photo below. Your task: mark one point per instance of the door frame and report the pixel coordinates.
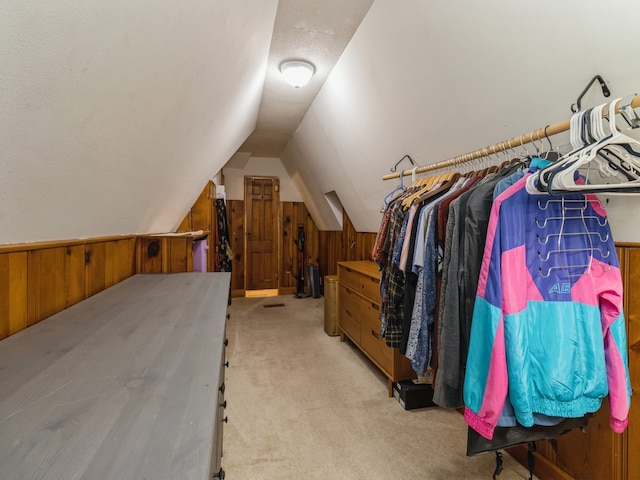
(278, 234)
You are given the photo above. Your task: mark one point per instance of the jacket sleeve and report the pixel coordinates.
(615, 347)
(486, 383)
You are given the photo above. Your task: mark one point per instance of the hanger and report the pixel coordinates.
(389, 196)
(562, 179)
(610, 154)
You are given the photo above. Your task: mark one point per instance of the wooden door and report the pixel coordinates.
(262, 200)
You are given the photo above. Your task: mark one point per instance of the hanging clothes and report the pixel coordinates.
(224, 256)
(548, 326)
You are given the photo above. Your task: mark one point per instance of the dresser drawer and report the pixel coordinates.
(370, 339)
(359, 282)
(351, 310)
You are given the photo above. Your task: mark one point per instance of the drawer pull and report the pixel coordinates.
(228, 316)
(348, 290)
(219, 475)
(348, 270)
(375, 334)
(348, 313)
(223, 404)
(225, 420)
(226, 364)
(221, 389)
(226, 342)
(374, 306)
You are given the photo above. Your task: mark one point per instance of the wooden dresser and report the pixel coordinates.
(127, 384)
(359, 319)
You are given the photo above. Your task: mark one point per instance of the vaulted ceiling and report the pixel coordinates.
(114, 114)
(312, 30)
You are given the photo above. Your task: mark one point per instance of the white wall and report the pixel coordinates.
(259, 166)
(440, 78)
(114, 114)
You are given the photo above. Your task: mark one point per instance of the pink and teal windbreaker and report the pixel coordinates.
(548, 328)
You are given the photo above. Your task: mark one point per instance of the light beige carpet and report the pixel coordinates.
(303, 405)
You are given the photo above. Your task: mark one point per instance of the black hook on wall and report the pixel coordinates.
(605, 91)
(395, 167)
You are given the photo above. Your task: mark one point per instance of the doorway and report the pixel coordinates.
(262, 246)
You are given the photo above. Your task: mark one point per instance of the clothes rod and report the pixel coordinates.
(539, 134)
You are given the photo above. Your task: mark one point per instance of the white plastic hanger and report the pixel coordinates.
(563, 178)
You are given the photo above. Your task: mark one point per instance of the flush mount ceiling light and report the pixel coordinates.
(297, 72)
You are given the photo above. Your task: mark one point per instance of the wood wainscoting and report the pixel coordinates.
(322, 248)
(38, 280)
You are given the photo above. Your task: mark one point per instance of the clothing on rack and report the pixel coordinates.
(432, 279)
(504, 285)
(224, 257)
(548, 327)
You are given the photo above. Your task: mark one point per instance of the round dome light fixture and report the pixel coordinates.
(297, 72)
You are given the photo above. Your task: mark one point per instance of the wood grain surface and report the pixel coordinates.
(122, 385)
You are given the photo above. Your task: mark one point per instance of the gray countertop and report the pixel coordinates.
(122, 385)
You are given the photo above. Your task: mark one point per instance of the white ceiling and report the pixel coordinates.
(113, 115)
(313, 30)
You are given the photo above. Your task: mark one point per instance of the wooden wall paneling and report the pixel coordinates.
(323, 252)
(365, 242)
(124, 259)
(45, 283)
(633, 339)
(235, 214)
(177, 254)
(13, 293)
(335, 253)
(201, 210)
(288, 254)
(111, 265)
(591, 455)
(185, 225)
(145, 262)
(312, 239)
(74, 274)
(95, 279)
(349, 240)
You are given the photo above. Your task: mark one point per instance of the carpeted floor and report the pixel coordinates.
(303, 405)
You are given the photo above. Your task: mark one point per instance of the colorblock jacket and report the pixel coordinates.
(548, 328)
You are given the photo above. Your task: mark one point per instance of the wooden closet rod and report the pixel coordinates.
(539, 134)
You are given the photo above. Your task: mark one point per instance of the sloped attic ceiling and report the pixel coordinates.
(115, 114)
(441, 78)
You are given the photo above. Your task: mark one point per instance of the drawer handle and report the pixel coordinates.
(374, 306)
(348, 313)
(226, 342)
(348, 290)
(373, 332)
(223, 404)
(221, 389)
(225, 420)
(219, 475)
(226, 364)
(348, 270)
(228, 316)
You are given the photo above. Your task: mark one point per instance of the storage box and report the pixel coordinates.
(413, 395)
